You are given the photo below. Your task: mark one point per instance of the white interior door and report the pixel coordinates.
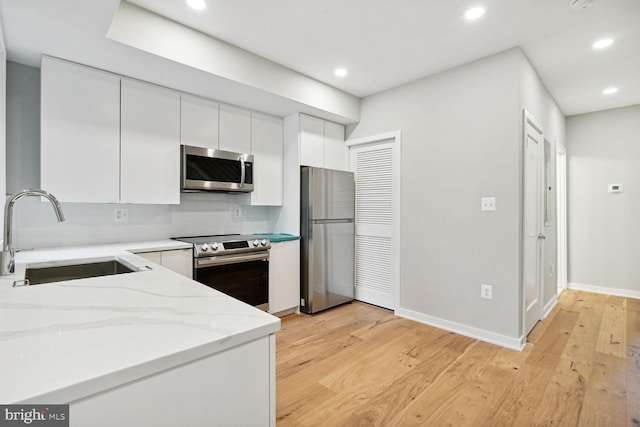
(373, 166)
(533, 218)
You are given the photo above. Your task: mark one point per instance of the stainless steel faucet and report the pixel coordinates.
(7, 256)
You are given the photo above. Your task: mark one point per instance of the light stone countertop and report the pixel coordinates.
(63, 341)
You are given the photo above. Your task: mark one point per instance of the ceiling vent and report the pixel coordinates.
(581, 4)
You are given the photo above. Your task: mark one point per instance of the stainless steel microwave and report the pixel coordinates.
(206, 169)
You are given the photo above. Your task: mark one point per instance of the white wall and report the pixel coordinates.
(460, 142)
(604, 229)
(35, 224)
(535, 98)
(23, 127)
(138, 28)
(461, 136)
(3, 120)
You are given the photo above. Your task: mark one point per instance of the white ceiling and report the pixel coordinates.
(382, 43)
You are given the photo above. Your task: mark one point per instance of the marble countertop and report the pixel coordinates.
(60, 342)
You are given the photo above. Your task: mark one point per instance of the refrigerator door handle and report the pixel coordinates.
(331, 221)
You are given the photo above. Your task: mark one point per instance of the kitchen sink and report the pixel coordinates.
(58, 271)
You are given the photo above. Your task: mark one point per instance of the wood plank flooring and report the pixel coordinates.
(359, 365)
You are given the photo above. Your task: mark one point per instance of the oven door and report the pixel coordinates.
(244, 277)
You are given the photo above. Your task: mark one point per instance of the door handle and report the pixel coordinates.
(542, 236)
(242, 172)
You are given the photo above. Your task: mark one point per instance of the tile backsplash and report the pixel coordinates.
(35, 224)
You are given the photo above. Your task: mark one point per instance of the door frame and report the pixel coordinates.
(395, 137)
(561, 215)
(528, 119)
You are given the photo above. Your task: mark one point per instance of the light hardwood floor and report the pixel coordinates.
(359, 365)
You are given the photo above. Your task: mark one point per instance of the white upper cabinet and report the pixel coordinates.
(321, 143)
(267, 149)
(334, 148)
(198, 121)
(80, 132)
(150, 144)
(235, 129)
(311, 141)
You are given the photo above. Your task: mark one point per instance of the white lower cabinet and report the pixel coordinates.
(284, 277)
(178, 260)
(235, 387)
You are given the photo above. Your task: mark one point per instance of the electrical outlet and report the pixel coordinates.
(121, 215)
(237, 212)
(486, 291)
(488, 204)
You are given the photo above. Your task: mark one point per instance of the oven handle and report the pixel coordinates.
(231, 259)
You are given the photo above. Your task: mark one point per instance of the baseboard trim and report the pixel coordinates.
(627, 293)
(467, 331)
(549, 306)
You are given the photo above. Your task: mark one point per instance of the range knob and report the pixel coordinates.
(255, 242)
(214, 246)
(264, 242)
(204, 247)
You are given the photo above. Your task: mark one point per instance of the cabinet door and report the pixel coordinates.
(235, 129)
(155, 257)
(311, 141)
(180, 261)
(198, 121)
(267, 150)
(334, 148)
(150, 144)
(284, 276)
(80, 133)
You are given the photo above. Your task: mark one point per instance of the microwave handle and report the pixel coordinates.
(242, 172)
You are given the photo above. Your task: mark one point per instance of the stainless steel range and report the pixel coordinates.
(235, 264)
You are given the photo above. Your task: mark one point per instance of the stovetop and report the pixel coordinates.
(225, 244)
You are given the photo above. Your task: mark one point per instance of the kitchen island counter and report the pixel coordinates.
(61, 342)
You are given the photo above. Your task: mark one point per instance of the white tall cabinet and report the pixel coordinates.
(80, 133)
(150, 144)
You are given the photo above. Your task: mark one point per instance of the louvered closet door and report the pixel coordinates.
(372, 165)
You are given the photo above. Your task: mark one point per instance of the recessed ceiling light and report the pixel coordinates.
(340, 72)
(197, 4)
(474, 13)
(610, 90)
(604, 43)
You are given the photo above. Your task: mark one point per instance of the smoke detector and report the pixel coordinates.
(580, 4)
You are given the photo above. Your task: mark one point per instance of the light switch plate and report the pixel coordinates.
(486, 291)
(488, 204)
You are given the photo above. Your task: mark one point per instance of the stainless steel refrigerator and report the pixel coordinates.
(327, 230)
